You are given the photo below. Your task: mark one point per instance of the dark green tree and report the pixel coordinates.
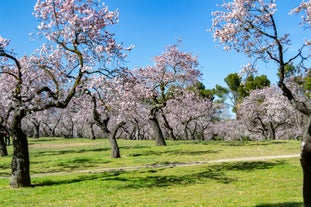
(237, 88)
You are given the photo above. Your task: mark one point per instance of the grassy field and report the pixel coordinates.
(80, 172)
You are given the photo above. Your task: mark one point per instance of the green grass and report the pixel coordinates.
(268, 183)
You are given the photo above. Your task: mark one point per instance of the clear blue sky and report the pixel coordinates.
(151, 25)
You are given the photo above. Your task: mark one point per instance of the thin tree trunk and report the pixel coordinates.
(20, 162)
(170, 129)
(36, 133)
(272, 131)
(3, 149)
(92, 132)
(115, 151)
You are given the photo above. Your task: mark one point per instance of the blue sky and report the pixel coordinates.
(151, 25)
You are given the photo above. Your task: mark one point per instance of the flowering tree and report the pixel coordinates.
(78, 45)
(173, 69)
(265, 112)
(239, 87)
(190, 115)
(250, 27)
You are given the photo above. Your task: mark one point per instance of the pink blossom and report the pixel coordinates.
(4, 42)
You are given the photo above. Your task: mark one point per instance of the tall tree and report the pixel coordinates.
(78, 45)
(190, 114)
(238, 88)
(172, 69)
(251, 27)
(265, 112)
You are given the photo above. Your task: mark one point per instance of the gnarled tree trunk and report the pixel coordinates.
(115, 151)
(157, 132)
(103, 125)
(20, 161)
(168, 127)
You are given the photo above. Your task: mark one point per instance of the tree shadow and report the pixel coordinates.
(136, 179)
(174, 152)
(250, 143)
(80, 178)
(79, 163)
(5, 175)
(71, 165)
(286, 204)
(5, 167)
(135, 147)
(249, 166)
(69, 151)
(215, 172)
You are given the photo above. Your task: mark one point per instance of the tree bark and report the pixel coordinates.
(20, 162)
(3, 149)
(272, 131)
(305, 161)
(115, 151)
(36, 131)
(169, 128)
(92, 131)
(157, 132)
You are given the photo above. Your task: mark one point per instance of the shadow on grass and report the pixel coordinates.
(69, 151)
(149, 178)
(174, 152)
(215, 172)
(287, 204)
(249, 166)
(4, 167)
(250, 143)
(72, 164)
(5, 175)
(81, 178)
(79, 163)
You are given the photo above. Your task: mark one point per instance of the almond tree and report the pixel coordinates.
(189, 114)
(172, 69)
(250, 27)
(266, 111)
(78, 45)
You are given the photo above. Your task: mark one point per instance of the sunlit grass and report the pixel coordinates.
(260, 183)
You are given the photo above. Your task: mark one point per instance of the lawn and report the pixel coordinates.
(80, 172)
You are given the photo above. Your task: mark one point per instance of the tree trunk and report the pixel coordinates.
(92, 132)
(3, 149)
(157, 132)
(115, 151)
(169, 128)
(272, 131)
(306, 164)
(36, 132)
(20, 162)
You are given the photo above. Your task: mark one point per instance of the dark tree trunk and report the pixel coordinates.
(36, 132)
(3, 149)
(306, 164)
(115, 151)
(92, 132)
(272, 131)
(168, 127)
(157, 132)
(20, 162)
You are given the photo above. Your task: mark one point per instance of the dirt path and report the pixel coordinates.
(131, 168)
(244, 159)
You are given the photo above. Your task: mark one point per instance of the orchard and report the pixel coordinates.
(77, 84)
